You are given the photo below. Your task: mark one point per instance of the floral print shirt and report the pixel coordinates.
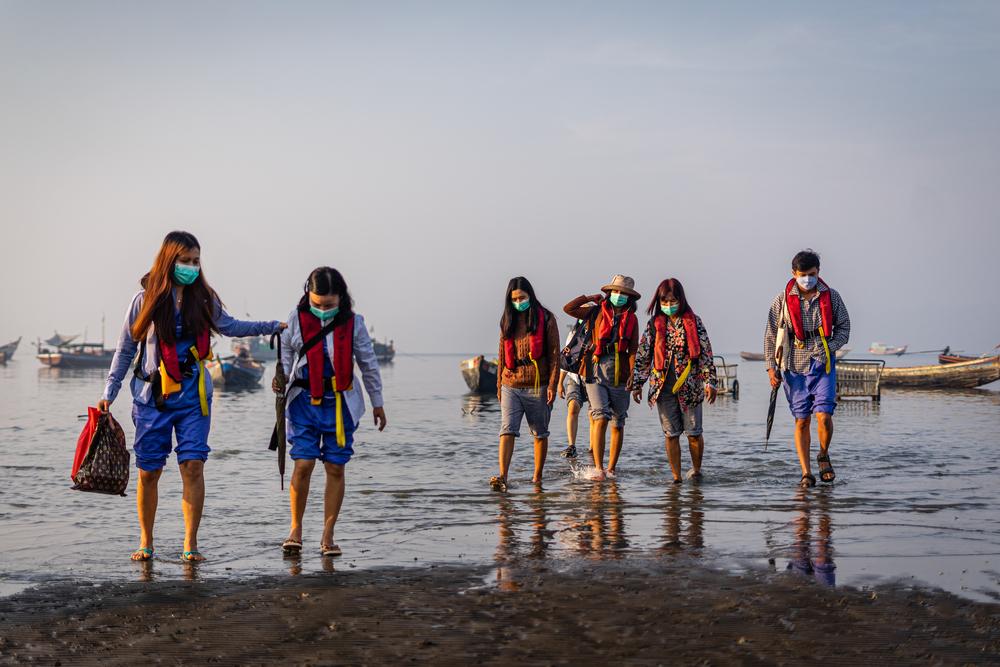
(702, 369)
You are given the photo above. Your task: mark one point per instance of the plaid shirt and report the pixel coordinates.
(799, 359)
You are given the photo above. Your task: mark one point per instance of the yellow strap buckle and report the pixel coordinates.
(826, 348)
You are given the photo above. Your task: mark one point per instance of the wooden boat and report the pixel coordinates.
(235, 372)
(64, 354)
(756, 356)
(257, 347)
(955, 358)
(384, 352)
(480, 375)
(9, 349)
(887, 350)
(960, 375)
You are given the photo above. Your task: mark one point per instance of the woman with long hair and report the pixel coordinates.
(528, 374)
(675, 355)
(325, 338)
(170, 323)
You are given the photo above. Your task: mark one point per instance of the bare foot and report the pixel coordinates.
(600, 476)
(611, 473)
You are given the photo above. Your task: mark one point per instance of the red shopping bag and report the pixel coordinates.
(83, 442)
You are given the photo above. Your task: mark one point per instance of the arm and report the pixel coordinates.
(709, 373)
(579, 307)
(364, 355)
(234, 328)
(287, 352)
(124, 352)
(643, 360)
(841, 323)
(552, 343)
(771, 332)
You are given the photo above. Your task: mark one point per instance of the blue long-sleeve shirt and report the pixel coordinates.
(127, 348)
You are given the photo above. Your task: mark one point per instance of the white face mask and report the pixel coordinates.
(806, 282)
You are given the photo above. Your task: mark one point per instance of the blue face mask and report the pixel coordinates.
(521, 306)
(806, 282)
(618, 299)
(185, 274)
(670, 310)
(324, 315)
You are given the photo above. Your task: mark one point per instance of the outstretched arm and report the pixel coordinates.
(124, 354)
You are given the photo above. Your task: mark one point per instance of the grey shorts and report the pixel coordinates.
(516, 404)
(676, 421)
(608, 403)
(574, 390)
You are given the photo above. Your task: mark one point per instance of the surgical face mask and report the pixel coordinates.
(806, 282)
(521, 305)
(618, 299)
(185, 274)
(324, 315)
(670, 310)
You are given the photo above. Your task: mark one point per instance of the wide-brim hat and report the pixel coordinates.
(622, 284)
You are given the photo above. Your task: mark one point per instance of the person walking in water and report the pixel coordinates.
(170, 323)
(606, 372)
(324, 339)
(675, 355)
(571, 390)
(528, 367)
(807, 324)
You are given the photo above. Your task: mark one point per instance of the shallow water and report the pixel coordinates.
(915, 497)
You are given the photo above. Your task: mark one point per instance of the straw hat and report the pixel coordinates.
(622, 284)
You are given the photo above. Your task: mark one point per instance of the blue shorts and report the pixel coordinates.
(816, 391)
(153, 430)
(312, 430)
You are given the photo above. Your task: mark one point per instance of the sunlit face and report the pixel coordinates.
(801, 274)
(325, 302)
(190, 257)
(519, 296)
(668, 300)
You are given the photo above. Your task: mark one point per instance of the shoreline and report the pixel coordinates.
(529, 610)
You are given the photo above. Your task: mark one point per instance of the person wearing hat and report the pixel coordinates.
(607, 371)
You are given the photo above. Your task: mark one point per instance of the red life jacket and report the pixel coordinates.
(536, 343)
(794, 304)
(168, 354)
(343, 355)
(690, 336)
(626, 328)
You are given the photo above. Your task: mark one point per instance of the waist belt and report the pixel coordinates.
(331, 384)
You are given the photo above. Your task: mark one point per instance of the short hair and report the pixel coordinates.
(805, 260)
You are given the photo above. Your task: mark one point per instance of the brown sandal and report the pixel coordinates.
(330, 550)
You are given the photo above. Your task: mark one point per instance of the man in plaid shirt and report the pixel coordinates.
(807, 324)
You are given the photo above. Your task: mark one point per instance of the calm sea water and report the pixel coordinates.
(915, 498)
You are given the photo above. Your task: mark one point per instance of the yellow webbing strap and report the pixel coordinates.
(537, 382)
(202, 391)
(826, 348)
(341, 433)
(617, 353)
(682, 379)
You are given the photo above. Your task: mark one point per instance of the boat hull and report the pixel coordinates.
(67, 360)
(961, 375)
(480, 375)
(7, 351)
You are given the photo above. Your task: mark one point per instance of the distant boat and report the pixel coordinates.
(480, 375)
(9, 349)
(960, 375)
(757, 356)
(235, 372)
(3, 358)
(62, 352)
(384, 352)
(258, 347)
(955, 358)
(887, 350)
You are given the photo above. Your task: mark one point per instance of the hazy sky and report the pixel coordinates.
(431, 151)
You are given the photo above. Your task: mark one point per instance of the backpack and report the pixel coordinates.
(101, 464)
(579, 347)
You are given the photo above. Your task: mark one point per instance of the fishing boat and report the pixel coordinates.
(235, 372)
(257, 347)
(887, 350)
(3, 358)
(955, 358)
(384, 352)
(959, 375)
(61, 352)
(9, 349)
(757, 356)
(480, 375)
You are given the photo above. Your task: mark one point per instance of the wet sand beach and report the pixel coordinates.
(670, 611)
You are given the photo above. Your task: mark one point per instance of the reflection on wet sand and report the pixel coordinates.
(678, 504)
(811, 552)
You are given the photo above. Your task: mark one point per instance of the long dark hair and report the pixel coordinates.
(327, 281)
(198, 307)
(508, 321)
(668, 286)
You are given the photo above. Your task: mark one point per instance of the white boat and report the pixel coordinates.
(887, 350)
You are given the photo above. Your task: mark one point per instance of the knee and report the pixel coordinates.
(802, 424)
(824, 419)
(149, 476)
(334, 470)
(192, 470)
(303, 468)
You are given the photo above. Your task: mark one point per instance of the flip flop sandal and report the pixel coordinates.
(826, 474)
(192, 556)
(807, 481)
(498, 483)
(142, 554)
(330, 550)
(291, 547)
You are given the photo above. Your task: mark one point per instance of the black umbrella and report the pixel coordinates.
(770, 414)
(278, 441)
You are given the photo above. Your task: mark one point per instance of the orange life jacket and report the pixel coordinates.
(795, 311)
(536, 342)
(626, 328)
(690, 335)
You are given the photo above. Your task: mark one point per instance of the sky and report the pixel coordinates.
(432, 151)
